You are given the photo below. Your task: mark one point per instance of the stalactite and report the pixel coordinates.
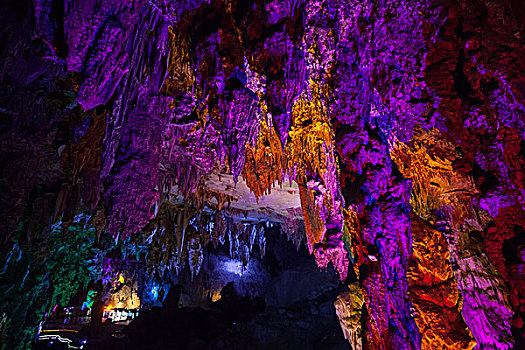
(265, 163)
(180, 233)
(310, 155)
(349, 310)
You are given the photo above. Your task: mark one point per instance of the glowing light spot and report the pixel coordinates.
(216, 296)
(154, 292)
(234, 266)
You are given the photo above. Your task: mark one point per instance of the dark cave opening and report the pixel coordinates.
(279, 300)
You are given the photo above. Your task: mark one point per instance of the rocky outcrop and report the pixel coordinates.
(349, 310)
(434, 293)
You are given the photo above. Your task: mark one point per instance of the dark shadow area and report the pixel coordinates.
(291, 308)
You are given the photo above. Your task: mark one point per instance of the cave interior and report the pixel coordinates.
(262, 174)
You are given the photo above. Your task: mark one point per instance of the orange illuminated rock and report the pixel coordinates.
(310, 145)
(444, 197)
(433, 291)
(349, 310)
(310, 135)
(427, 161)
(308, 158)
(354, 239)
(312, 221)
(264, 163)
(180, 76)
